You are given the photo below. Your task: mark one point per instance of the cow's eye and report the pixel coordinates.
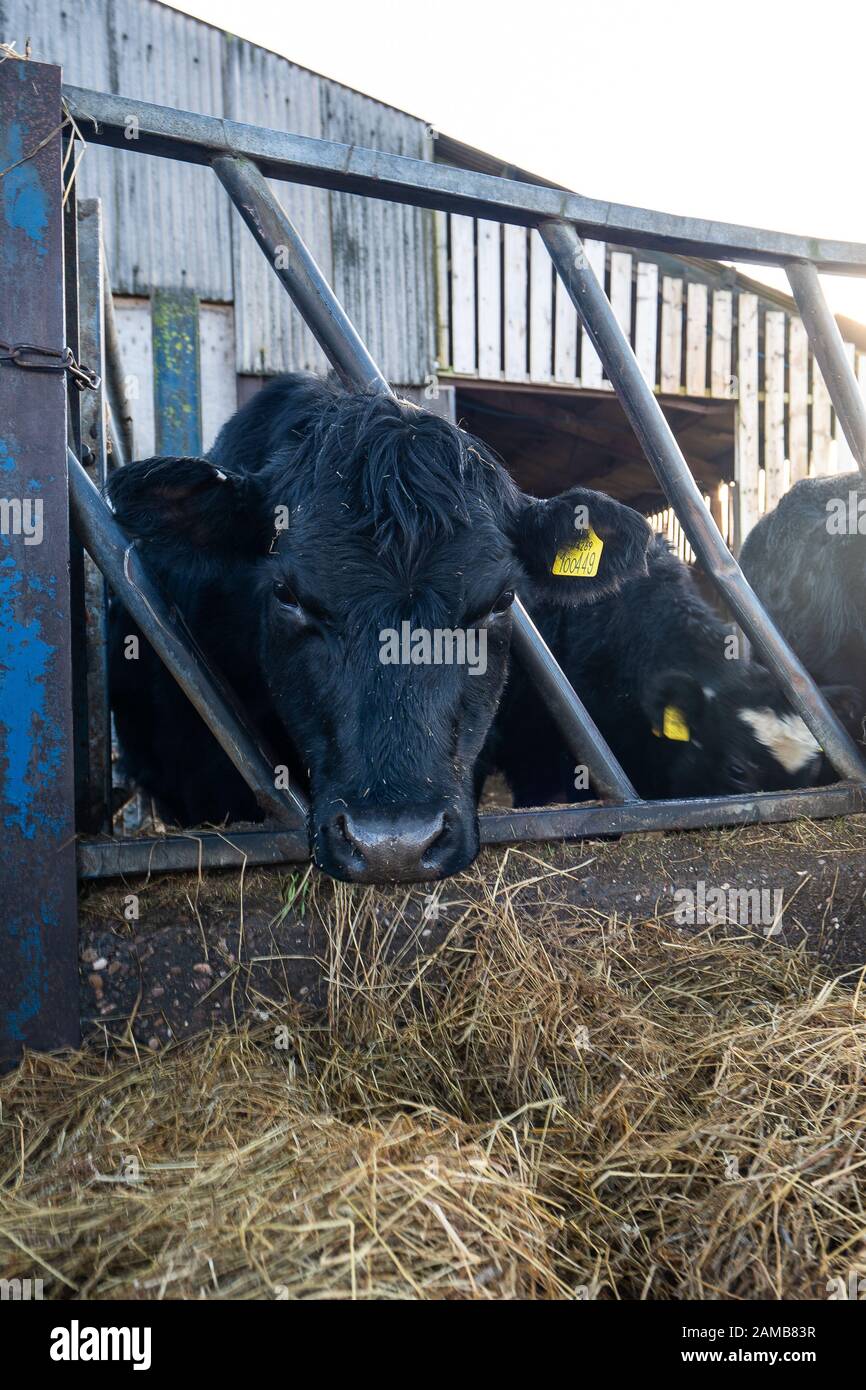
(503, 603)
(285, 595)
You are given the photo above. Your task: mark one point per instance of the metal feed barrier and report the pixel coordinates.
(56, 764)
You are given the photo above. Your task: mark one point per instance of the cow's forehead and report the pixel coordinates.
(338, 557)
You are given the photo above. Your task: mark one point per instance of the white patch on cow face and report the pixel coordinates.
(785, 735)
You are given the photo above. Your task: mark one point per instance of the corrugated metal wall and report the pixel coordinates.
(171, 225)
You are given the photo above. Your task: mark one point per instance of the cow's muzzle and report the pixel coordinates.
(393, 844)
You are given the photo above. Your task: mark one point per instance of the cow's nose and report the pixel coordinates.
(376, 846)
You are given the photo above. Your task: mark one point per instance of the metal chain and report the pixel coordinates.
(42, 359)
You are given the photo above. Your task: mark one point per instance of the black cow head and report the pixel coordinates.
(738, 733)
(373, 551)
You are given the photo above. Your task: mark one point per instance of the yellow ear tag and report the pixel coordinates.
(674, 726)
(580, 561)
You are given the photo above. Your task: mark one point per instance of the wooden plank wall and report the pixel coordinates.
(503, 316)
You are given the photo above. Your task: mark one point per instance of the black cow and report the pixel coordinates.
(325, 534)
(806, 560)
(660, 674)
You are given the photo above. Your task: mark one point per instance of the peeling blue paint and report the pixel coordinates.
(30, 738)
(38, 978)
(25, 203)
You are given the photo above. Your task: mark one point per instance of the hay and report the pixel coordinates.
(543, 1107)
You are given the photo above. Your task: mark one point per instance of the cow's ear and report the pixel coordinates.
(579, 546)
(675, 704)
(190, 502)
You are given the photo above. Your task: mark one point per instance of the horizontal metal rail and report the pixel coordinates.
(208, 849)
(105, 118)
(836, 368)
(162, 625)
(664, 454)
(286, 252)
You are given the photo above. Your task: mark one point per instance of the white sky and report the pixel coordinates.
(748, 112)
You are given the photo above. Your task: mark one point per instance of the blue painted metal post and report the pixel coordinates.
(176, 377)
(38, 932)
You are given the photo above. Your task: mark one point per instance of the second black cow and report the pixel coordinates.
(665, 680)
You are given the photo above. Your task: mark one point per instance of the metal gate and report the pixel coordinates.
(55, 762)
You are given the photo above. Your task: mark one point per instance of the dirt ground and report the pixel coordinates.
(164, 957)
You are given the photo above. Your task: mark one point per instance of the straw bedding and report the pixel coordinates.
(544, 1106)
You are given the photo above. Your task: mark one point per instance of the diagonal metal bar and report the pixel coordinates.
(827, 345)
(286, 252)
(654, 432)
(579, 730)
(162, 130)
(163, 627)
(299, 273)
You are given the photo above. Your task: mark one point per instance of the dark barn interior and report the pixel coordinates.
(552, 438)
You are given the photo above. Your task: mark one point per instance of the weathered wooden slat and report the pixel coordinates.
(135, 341)
(822, 436)
(646, 320)
(463, 295)
(219, 386)
(443, 290)
(746, 461)
(672, 335)
(798, 400)
(844, 458)
(721, 346)
(565, 336)
(620, 289)
(774, 407)
(515, 303)
(591, 374)
(696, 340)
(489, 238)
(540, 310)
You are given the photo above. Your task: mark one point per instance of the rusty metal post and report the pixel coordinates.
(38, 927)
(94, 449)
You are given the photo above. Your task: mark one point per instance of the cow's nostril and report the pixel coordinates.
(405, 836)
(382, 845)
(340, 823)
(438, 838)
